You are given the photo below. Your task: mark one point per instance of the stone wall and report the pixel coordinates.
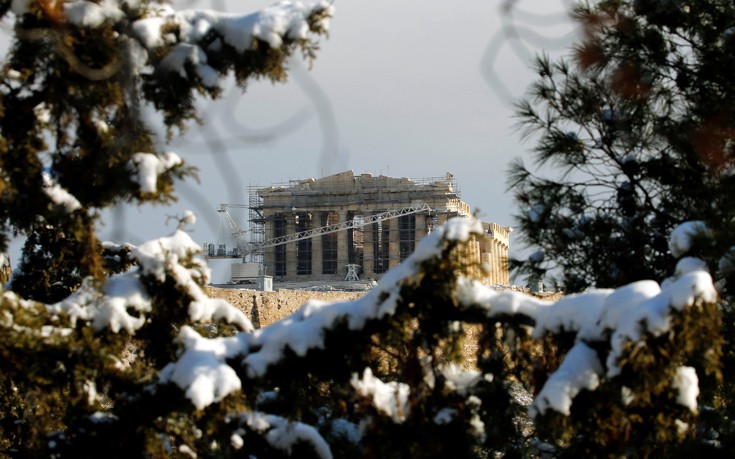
(264, 308)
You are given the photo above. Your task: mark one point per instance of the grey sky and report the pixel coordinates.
(402, 90)
(404, 80)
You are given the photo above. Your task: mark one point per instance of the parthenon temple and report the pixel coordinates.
(349, 227)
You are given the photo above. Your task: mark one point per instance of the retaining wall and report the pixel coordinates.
(264, 308)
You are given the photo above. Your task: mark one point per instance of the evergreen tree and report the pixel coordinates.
(634, 140)
(73, 86)
(631, 138)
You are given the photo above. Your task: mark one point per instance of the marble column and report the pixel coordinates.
(342, 246)
(394, 234)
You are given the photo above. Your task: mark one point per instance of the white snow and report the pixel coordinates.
(186, 450)
(88, 14)
(283, 434)
(284, 20)
(389, 398)
(189, 218)
(148, 30)
(477, 426)
(681, 426)
(687, 384)
(137, 55)
(581, 369)
(623, 302)
(236, 441)
(651, 315)
(620, 316)
(59, 195)
(472, 293)
(460, 380)
(154, 256)
(110, 308)
(690, 264)
(147, 167)
(201, 371)
(123, 301)
(573, 313)
(461, 229)
(101, 417)
(162, 257)
(207, 309)
(680, 240)
(627, 396)
(90, 389)
(183, 53)
(43, 114)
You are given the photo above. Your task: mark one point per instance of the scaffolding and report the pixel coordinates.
(344, 190)
(303, 232)
(379, 220)
(256, 224)
(349, 226)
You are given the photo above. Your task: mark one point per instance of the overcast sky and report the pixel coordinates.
(407, 88)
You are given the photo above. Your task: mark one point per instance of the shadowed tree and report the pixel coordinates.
(631, 138)
(72, 89)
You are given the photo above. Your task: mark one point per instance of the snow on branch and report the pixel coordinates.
(616, 317)
(124, 300)
(181, 259)
(306, 328)
(599, 319)
(283, 434)
(388, 398)
(201, 370)
(193, 36)
(286, 19)
(59, 195)
(680, 240)
(195, 44)
(119, 306)
(89, 14)
(581, 369)
(147, 167)
(687, 384)
(460, 380)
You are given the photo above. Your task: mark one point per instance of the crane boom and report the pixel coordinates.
(246, 248)
(350, 224)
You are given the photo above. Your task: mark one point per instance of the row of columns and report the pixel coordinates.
(368, 266)
(495, 256)
(492, 251)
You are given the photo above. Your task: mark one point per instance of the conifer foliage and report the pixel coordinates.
(73, 138)
(116, 350)
(631, 138)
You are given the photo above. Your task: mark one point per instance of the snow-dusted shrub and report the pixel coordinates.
(73, 142)
(385, 375)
